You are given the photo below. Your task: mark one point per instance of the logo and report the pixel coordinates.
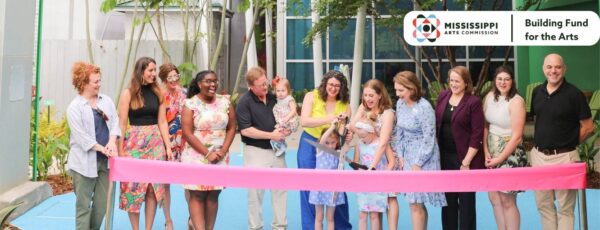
(426, 28)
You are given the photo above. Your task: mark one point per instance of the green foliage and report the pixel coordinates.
(5, 213)
(243, 6)
(108, 5)
(434, 90)
(186, 70)
(587, 150)
(299, 95)
(53, 144)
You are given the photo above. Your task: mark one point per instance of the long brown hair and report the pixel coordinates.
(385, 102)
(135, 86)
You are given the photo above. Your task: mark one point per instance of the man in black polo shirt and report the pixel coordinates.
(562, 121)
(257, 127)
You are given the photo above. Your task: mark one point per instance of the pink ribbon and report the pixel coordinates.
(568, 176)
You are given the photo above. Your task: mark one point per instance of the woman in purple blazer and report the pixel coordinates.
(460, 121)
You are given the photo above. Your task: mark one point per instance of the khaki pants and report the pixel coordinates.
(551, 218)
(265, 158)
(90, 193)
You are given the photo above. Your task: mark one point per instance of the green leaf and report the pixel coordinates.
(108, 5)
(5, 212)
(137, 22)
(243, 6)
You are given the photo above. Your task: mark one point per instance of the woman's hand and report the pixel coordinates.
(169, 154)
(492, 163)
(221, 153)
(487, 155)
(416, 168)
(111, 148)
(400, 162)
(212, 157)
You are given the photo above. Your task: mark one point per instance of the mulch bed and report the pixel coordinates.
(593, 180)
(59, 184)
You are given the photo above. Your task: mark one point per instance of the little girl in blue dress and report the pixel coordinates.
(327, 161)
(370, 204)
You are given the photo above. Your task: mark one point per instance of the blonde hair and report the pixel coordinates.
(279, 80)
(254, 74)
(80, 74)
(409, 80)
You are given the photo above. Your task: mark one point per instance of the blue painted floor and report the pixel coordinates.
(59, 212)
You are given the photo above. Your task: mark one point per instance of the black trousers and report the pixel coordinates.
(460, 212)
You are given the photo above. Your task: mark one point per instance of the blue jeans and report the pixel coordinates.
(307, 160)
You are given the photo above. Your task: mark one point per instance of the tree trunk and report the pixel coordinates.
(245, 52)
(317, 47)
(215, 58)
(161, 41)
(128, 53)
(359, 34)
(87, 31)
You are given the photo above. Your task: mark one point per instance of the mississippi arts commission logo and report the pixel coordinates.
(430, 28)
(426, 28)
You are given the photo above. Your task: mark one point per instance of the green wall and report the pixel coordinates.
(583, 62)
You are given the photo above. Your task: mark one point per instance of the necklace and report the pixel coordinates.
(451, 107)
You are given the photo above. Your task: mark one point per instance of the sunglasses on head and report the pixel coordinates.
(101, 113)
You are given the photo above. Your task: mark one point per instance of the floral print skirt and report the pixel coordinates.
(141, 142)
(518, 158)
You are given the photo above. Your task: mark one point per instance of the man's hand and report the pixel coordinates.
(278, 134)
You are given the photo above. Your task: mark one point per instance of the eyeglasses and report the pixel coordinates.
(263, 85)
(209, 81)
(173, 78)
(99, 112)
(334, 85)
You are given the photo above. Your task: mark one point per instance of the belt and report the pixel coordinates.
(549, 152)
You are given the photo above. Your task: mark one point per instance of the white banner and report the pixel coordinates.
(501, 28)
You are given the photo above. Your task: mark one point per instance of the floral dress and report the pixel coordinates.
(281, 110)
(210, 124)
(174, 107)
(326, 161)
(371, 201)
(416, 142)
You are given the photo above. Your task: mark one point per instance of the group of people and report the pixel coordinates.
(163, 121)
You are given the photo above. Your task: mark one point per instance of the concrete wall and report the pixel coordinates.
(17, 26)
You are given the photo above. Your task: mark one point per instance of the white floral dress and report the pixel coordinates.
(210, 127)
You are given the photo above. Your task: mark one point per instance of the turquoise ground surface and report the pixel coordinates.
(58, 212)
